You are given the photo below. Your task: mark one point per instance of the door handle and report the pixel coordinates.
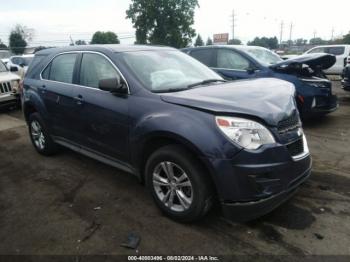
(79, 100)
(43, 89)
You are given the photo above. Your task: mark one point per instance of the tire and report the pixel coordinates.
(190, 191)
(40, 136)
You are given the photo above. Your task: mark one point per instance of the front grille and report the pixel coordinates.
(296, 148)
(5, 87)
(289, 124)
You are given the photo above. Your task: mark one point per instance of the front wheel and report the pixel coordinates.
(178, 184)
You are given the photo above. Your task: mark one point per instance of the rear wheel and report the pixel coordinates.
(178, 184)
(40, 136)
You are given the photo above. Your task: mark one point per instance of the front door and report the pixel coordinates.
(102, 116)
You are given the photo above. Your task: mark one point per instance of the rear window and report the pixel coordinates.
(35, 62)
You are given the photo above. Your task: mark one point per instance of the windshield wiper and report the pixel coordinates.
(169, 90)
(208, 81)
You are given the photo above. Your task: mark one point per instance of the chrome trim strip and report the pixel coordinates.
(82, 52)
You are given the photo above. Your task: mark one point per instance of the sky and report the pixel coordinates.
(55, 22)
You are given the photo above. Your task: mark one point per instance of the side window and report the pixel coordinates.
(94, 68)
(205, 56)
(336, 50)
(61, 68)
(231, 60)
(317, 50)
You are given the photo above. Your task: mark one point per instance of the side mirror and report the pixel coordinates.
(251, 70)
(113, 85)
(13, 69)
(22, 65)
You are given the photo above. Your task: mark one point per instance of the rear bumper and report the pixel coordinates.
(246, 211)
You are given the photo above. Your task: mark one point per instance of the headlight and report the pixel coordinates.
(15, 85)
(246, 133)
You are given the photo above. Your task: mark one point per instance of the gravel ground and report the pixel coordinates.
(71, 205)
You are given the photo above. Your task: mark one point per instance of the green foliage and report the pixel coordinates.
(17, 40)
(80, 42)
(317, 41)
(209, 41)
(234, 42)
(300, 42)
(199, 41)
(346, 39)
(163, 22)
(2, 45)
(104, 38)
(268, 42)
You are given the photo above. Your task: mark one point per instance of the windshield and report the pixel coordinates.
(264, 56)
(3, 68)
(161, 71)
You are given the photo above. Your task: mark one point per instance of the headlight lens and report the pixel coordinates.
(246, 133)
(15, 85)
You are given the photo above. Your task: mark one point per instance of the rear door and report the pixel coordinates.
(56, 90)
(232, 65)
(102, 116)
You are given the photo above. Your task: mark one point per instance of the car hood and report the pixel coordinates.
(320, 60)
(266, 98)
(8, 76)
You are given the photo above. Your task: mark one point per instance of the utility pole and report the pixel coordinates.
(332, 38)
(233, 24)
(290, 33)
(315, 32)
(281, 33)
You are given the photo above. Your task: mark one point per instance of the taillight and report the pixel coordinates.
(301, 98)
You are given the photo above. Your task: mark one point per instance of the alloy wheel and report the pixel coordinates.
(172, 186)
(37, 135)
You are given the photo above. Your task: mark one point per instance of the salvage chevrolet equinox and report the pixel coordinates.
(155, 112)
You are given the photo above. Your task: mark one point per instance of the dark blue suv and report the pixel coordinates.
(161, 115)
(314, 91)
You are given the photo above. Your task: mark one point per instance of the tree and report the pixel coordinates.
(199, 41)
(80, 42)
(164, 22)
(209, 41)
(234, 42)
(317, 41)
(104, 38)
(346, 39)
(2, 45)
(17, 39)
(271, 43)
(300, 42)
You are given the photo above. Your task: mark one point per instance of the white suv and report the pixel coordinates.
(9, 85)
(340, 51)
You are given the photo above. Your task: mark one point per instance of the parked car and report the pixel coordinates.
(21, 62)
(314, 92)
(346, 78)
(9, 83)
(341, 53)
(174, 123)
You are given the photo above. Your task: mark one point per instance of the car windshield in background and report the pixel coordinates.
(2, 67)
(26, 60)
(165, 71)
(265, 57)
